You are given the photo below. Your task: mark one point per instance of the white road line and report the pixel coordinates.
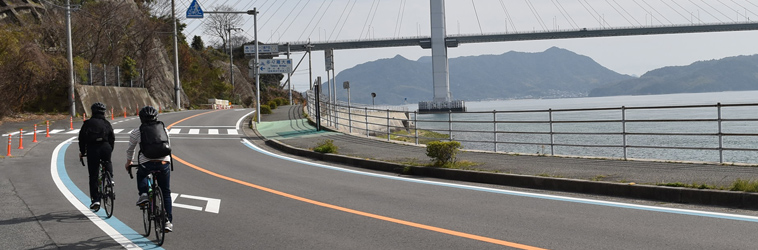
(99, 222)
(213, 131)
(202, 126)
(194, 131)
(117, 130)
(175, 131)
(55, 131)
(75, 131)
(231, 131)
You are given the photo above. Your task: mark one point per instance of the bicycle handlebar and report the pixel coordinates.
(130, 170)
(81, 159)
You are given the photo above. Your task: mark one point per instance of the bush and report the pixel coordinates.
(442, 152)
(265, 109)
(272, 104)
(326, 146)
(281, 101)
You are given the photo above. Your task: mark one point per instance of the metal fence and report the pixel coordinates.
(723, 133)
(105, 75)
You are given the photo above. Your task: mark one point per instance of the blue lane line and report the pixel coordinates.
(522, 194)
(114, 222)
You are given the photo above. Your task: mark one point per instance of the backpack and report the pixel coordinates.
(154, 140)
(96, 132)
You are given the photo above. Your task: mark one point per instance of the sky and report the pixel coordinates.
(282, 21)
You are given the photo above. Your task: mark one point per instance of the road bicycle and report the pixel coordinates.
(104, 188)
(154, 212)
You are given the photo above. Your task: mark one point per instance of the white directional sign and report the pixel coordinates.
(194, 10)
(275, 66)
(211, 205)
(267, 49)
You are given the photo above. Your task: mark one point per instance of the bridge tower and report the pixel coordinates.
(442, 101)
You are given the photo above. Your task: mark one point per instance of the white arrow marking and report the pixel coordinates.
(212, 205)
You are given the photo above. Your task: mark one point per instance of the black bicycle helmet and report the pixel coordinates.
(98, 108)
(147, 114)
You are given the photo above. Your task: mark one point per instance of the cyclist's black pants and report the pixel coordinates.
(95, 152)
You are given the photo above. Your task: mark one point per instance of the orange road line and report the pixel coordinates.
(361, 213)
(187, 118)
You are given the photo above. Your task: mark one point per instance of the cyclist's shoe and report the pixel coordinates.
(143, 199)
(169, 227)
(95, 206)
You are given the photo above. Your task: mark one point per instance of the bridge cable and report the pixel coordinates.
(737, 11)
(397, 19)
(677, 12)
(590, 12)
(319, 20)
(619, 12)
(603, 23)
(751, 3)
(477, 18)
(751, 12)
(691, 16)
(627, 12)
(295, 19)
(564, 13)
(376, 10)
(400, 27)
(367, 18)
(649, 13)
(701, 8)
(311, 21)
(730, 19)
(536, 15)
(272, 15)
(285, 20)
(346, 18)
(508, 17)
(656, 11)
(338, 20)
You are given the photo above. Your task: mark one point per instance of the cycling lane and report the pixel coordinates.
(254, 218)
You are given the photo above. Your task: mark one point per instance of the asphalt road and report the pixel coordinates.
(271, 201)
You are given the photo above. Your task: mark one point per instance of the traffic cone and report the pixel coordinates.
(9, 145)
(71, 120)
(35, 133)
(84, 117)
(21, 139)
(124, 112)
(111, 114)
(47, 128)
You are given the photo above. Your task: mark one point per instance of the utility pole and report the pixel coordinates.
(257, 59)
(177, 86)
(231, 56)
(289, 75)
(70, 60)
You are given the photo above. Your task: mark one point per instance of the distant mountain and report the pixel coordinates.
(553, 73)
(729, 74)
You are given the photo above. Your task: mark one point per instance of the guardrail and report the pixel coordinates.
(723, 133)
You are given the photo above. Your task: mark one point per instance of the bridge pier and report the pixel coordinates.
(442, 101)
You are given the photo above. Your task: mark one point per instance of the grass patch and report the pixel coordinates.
(598, 178)
(693, 185)
(326, 146)
(744, 185)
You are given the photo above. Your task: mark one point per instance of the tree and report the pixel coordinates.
(217, 25)
(197, 43)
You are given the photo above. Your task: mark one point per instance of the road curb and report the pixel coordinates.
(721, 198)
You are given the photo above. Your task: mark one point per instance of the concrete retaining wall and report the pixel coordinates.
(119, 98)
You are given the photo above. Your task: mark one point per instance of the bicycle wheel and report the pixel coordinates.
(146, 221)
(160, 215)
(107, 196)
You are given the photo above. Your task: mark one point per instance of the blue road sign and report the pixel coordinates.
(194, 10)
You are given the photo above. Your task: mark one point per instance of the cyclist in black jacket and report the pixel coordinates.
(96, 140)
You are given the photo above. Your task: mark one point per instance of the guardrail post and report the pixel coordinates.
(365, 112)
(450, 124)
(494, 129)
(552, 139)
(623, 129)
(90, 74)
(415, 124)
(721, 137)
(388, 125)
(349, 118)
